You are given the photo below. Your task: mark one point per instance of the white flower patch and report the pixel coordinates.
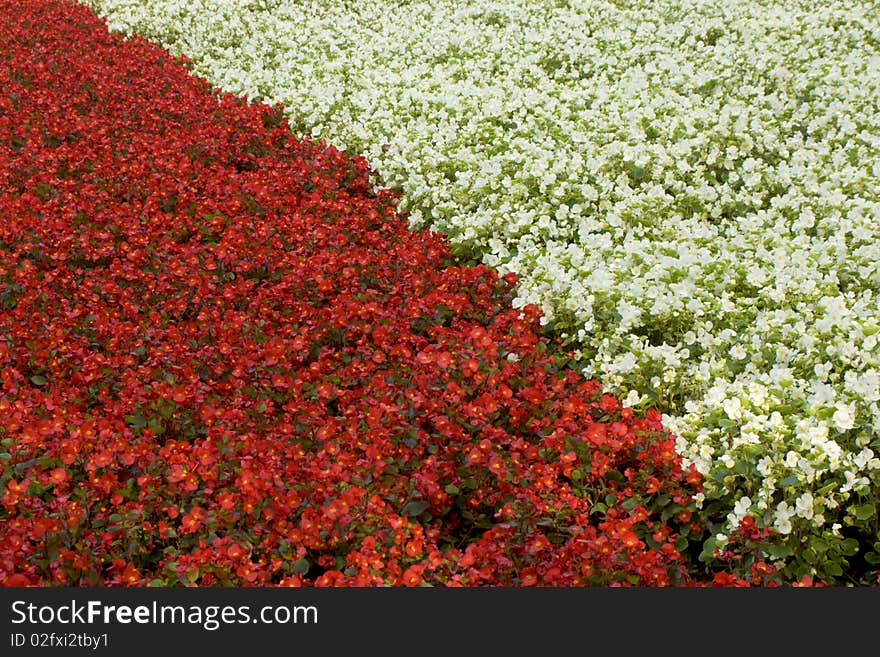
(692, 199)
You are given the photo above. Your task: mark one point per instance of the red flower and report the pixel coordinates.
(236, 552)
(58, 476)
(17, 579)
(413, 575)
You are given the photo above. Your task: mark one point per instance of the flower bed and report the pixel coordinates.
(688, 190)
(225, 360)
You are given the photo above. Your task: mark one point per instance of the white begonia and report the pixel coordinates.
(719, 179)
(738, 352)
(765, 466)
(782, 517)
(742, 507)
(804, 505)
(844, 417)
(757, 394)
(633, 398)
(733, 408)
(807, 469)
(783, 525)
(850, 481)
(863, 458)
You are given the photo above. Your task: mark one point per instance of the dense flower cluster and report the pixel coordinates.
(688, 189)
(225, 359)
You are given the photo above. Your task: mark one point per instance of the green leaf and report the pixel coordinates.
(301, 567)
(452, 490)
(741, 467)
(832, 568)
(827, 488)
(681, 543)
(872, 558)
(778, 550)
(38, 380)
(819, 545)
(415, 508)
(865, 511)
(791, 480)
(614, 475)
(21, 467)
(708, 552)
(635, 171)
(850, 546)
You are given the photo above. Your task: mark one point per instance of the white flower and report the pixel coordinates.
(633, 398)
(757, 393)
(733, 408)
(850, 482)
(783, 525)
(844, 418)
(742, 507)
(782, 517)
(627, 363)
(862, 459)
(804, 506)
(784, 510)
